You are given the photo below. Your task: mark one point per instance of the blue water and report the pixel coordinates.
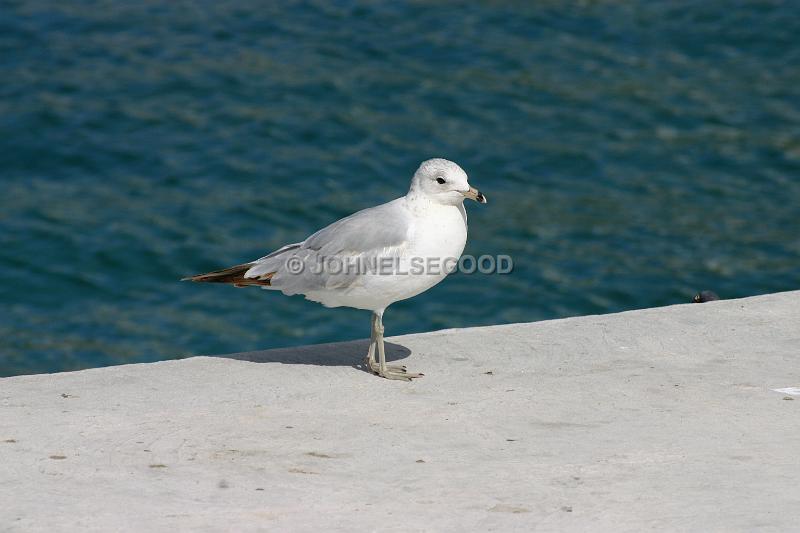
(633, 153)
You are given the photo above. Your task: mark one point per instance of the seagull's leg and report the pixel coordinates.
(382, 367)
(384, 370)
(370, 360)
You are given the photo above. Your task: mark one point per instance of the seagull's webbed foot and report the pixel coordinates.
(398, 372)
(391, 371)
(373, 366)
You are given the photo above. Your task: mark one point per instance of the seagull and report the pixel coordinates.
(374, 257)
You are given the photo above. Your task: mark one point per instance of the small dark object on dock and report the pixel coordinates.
(705, 296)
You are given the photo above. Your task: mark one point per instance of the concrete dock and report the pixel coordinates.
(683, 418)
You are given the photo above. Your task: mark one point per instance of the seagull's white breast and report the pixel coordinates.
(437, 238)
(439, 232)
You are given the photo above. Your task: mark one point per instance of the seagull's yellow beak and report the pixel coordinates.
(475, 194)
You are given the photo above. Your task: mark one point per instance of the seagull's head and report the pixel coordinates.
(443, 182)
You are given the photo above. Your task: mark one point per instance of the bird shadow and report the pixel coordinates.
(350, 353)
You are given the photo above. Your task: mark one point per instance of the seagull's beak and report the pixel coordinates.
(475, 194)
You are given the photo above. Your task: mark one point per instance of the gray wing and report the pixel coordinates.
(318, 262)
(383, 226)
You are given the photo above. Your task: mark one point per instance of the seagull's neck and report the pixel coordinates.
(418, 202)
(416, 197)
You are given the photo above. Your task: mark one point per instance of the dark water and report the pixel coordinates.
(632, 152)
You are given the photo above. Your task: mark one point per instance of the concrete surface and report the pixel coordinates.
(662, 419)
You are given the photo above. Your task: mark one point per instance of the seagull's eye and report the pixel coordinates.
(440, 180)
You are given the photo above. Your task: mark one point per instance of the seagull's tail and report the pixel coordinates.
(233, 275)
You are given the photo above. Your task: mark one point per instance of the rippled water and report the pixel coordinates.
(632, 152)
